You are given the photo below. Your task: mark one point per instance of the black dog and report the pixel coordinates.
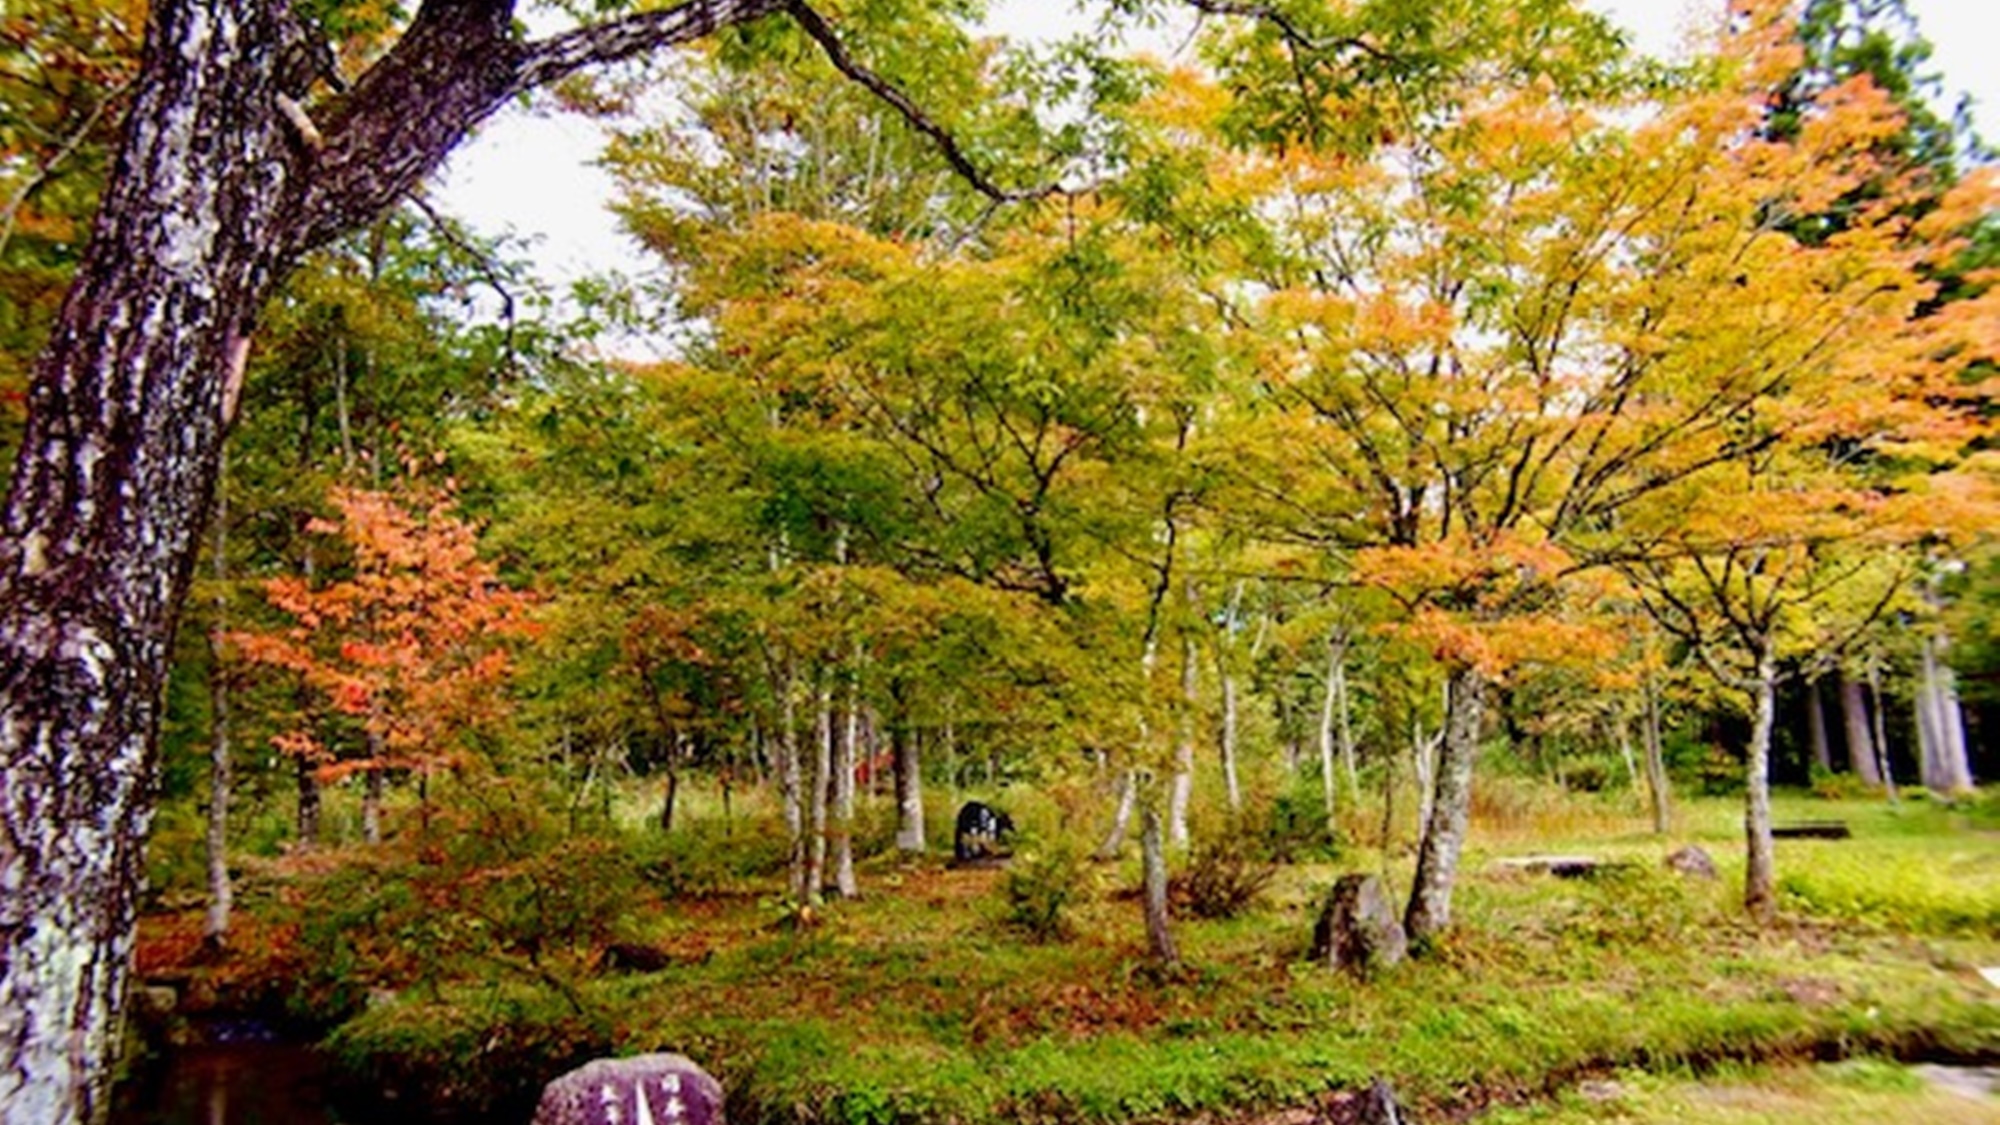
(981, 831)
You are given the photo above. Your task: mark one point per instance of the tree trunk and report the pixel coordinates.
(1183, 789)
(1423, 764)
(210, 199)
(1121, 820)
(910, 834)
(1429, 912)
(844, 882)
(671, 799)
(1946, 769)
(1231, 786)
(822, 783)
(791, 785)
(1861, 751)
(372, 780)
(215, 927)
(1657, 784)
(1760, 881)
(1326, 747)
(1345, 713)
(1159, 932)
(1822, 749)
(1883, 771)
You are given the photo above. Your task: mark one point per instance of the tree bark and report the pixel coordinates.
(1657, 784)
(1230, 722)
(822, 782)
(1345, 730)
(372, 780)
(209, 201)
(1153, 856)
(1429, 912)
(215, 926)
(791, 785)
(844, 882)
(1861, 752)
(1883, 771)
(1946, 769)
(1760, 881)
(1326, 748)
(1183, 788)
(1121, 820)
(910, 834)
(1822, 747)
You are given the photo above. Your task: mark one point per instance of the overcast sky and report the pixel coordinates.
(530, 174)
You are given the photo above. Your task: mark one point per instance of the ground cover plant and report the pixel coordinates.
(927, 1000)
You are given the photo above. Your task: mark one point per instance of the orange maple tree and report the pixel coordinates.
(414, 641)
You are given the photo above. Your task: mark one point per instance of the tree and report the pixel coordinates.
(409, 643)
(217, 192)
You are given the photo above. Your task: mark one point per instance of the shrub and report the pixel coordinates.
(1040, 890)
(1223, 878)
(1294, 828)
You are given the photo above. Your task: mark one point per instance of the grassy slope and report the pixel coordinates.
(919, 1004)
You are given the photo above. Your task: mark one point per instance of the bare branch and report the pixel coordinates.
(1288, 27)
(814, 25)
(482, 262)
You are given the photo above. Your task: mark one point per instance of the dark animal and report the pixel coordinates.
(982, 829)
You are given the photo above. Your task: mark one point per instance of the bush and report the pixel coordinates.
(1223, 878)
(1040, 890)
(1295, 828)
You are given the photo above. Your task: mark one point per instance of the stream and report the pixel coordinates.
(249, 1082)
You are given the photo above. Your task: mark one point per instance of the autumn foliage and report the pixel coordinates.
(411, 644)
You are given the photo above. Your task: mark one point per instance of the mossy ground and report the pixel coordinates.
(919, 1002)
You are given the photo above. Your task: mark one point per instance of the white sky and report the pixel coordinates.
(531, 175)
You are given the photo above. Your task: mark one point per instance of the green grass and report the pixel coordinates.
(1857, 1092)
(922, 1003)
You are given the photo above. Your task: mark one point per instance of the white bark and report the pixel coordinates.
(1760, 880)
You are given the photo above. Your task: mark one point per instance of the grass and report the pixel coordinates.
(1856, 1092)
(922, 1003)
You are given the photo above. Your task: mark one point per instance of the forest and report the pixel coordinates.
(1422, 451)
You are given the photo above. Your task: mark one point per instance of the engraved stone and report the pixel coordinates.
(658, 1089)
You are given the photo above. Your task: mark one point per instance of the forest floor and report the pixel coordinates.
(931, 999)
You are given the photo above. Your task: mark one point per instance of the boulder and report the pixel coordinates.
(660, 1089)
(1357, 931)
(1692, 861)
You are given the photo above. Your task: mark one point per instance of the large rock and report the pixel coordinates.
(641, 1090)
(1693, 862)
(1357, 930)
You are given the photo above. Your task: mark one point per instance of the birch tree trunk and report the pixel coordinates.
(1946, 768)
(1429, 912)
(1760, 880)
(215, 926)
(212, 197)
(910, 834)
(372, 780)
(1345, 730)
(1862, 756)
(1159, 929)
(791, 786)
(1326, 747)
(1883, 771)
(1657, 783)
(822, 782)
(1121, 819)
(844, 882)
(1183, 789)
(1229, 727)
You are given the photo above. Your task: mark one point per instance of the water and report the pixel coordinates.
(236, 1083)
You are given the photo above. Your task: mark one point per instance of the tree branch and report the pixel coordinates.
(814, 25)
(1288, 27)
(550, 60)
